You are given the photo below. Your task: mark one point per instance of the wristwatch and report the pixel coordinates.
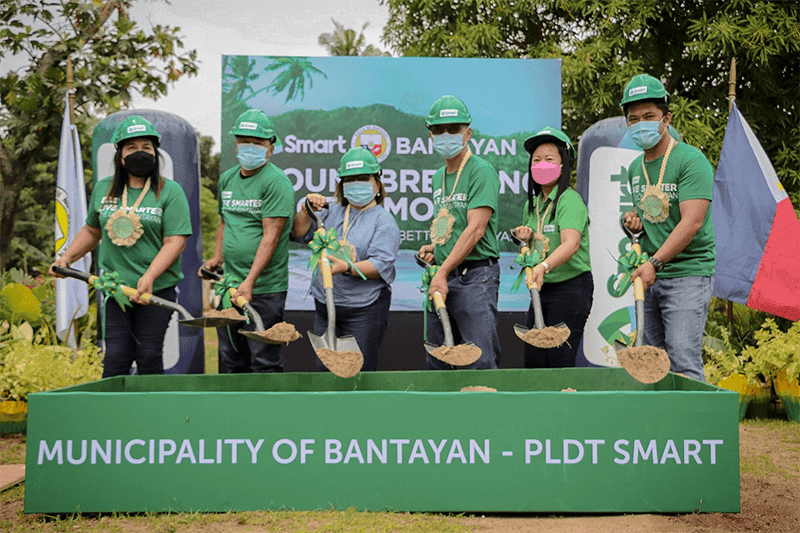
(659, 266)
(349, 271)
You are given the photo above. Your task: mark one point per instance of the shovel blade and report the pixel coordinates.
(253, 336)
(430, 347)
(520, 331)
(342, 344)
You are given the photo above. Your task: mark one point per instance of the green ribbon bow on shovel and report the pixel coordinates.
(427, 303)
(328, 241)
(629, 262)
(525, 260)
(228, 281)
(108, 283)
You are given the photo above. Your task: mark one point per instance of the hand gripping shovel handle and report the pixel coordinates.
(441, 308)
(534, 290)
(310, 212)
(638, 286)
(128, 291)
(240, 301)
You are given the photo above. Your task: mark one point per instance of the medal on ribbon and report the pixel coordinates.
(124, 227)
(442, 225)
(654, 203)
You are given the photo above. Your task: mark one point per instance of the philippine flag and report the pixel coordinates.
(757, 231)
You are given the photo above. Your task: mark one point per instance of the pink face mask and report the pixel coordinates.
(545, 172)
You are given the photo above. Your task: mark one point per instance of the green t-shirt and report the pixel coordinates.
(243, 203)
(688, 176)
(479, 186)
(166, 216)
(570, 213)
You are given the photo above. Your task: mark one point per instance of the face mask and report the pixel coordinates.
(359, 193)
(645, 133)
(140, 164)
(251, 156)
(448, 144)
(545, 172)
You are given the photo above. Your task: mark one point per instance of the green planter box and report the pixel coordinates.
(385, 440)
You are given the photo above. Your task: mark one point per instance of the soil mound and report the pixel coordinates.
(461, 355)
(478, 388)
(344, 364)
(548, 337)
(646, 364)
(280, 333)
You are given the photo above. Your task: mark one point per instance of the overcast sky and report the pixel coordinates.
(247, 27)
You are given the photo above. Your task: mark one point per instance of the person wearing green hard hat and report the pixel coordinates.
(255, 204)
(464, 241)
(140, 222)
(555, 223)
(369, 239)
(672, 187)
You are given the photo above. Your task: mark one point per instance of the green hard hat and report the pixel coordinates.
(254, 123)
(549, 135)
(134, 126)
(644, 87)
(448, 110)
(358, 161)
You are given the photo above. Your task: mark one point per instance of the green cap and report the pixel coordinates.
(358, 161)
(134, 126)
(643, 87)
(254, 123)
(448, 110)
(549, 135)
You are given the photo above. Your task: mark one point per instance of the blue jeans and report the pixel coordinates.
(367, 324)
(135, 334)
(472, 307)
(569, 302)
(675, 312)
(240, 355)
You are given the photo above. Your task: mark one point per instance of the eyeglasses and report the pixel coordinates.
(360, 177)
(452, 129)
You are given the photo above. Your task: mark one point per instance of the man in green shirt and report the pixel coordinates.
(464, 236)
(672, 185)
(255, 203)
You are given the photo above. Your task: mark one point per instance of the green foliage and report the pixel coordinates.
(346, 42)
(774, 350)
(112, 59)
(209, 176)
(603, 43)
(31, 365)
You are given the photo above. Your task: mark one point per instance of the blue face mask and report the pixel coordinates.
(251, 156)
(359, 193)
(645, 133)
(448, 144)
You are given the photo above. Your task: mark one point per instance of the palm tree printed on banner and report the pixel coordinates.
(293, 79)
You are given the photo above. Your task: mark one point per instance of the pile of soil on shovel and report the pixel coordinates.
(478, 388)
(548, 337)
(282, 332)
(461, 355)
(225, 313)
(344, 364)
(646, 364)
(569, 389)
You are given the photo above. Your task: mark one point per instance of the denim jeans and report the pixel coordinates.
(240, 355)
(569, 302)
(367, 324)
(472, 307)
(135, 334)
(675, 312)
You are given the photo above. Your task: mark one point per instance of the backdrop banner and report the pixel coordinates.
(322, 106)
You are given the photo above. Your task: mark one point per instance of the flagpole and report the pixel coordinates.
(731, 99)
(70, 91)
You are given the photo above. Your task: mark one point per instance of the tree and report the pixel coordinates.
(345, 42)
(209, 177)
(112, 59)
(603, 43)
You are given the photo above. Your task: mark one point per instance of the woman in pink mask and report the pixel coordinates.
(556, 223)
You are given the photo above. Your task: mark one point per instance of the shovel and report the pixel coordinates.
(461, 355)
(186, 318)
(258, 334)
(646, 364)
(341, 355)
